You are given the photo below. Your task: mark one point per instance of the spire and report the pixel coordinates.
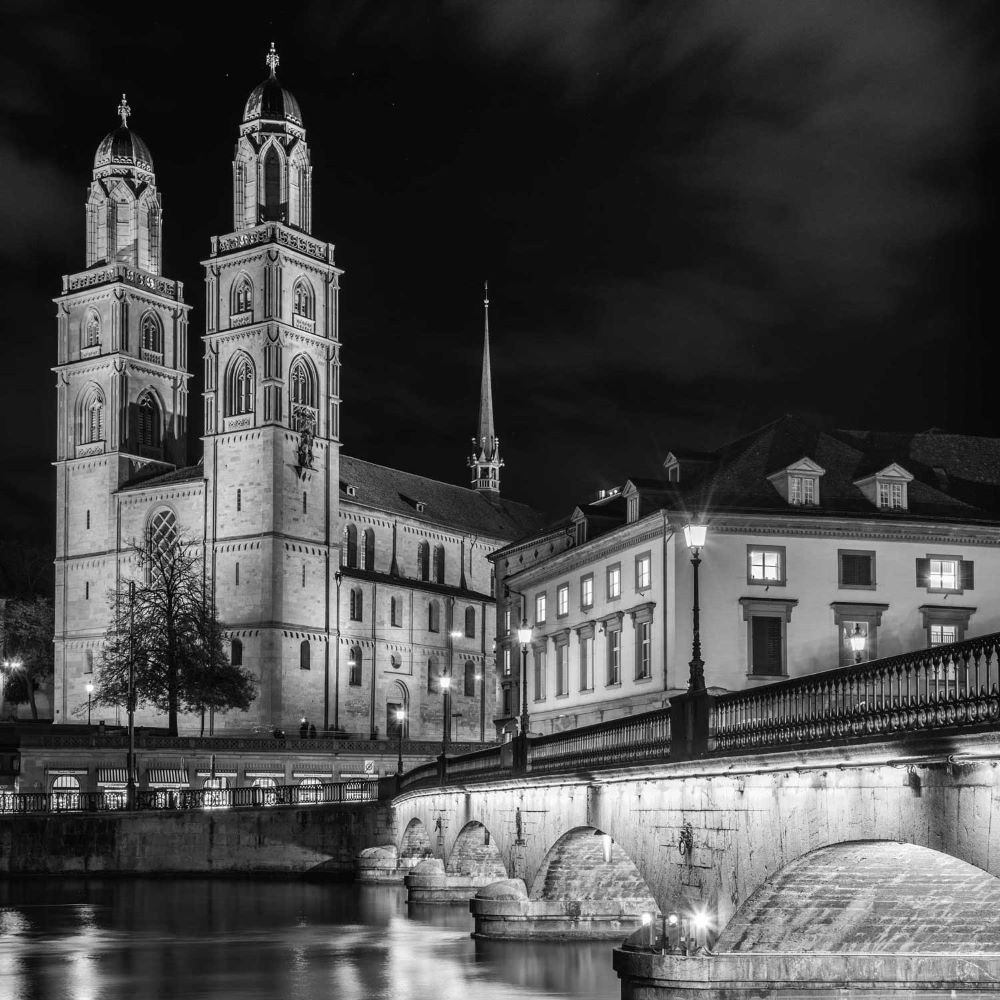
(485, 461)
(272, 61)
(124, 111)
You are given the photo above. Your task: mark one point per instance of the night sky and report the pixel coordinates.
(694, 217)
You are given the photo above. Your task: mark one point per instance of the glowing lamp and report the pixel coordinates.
(524, 633)
(400, 715)
(858, 639)
(694, 535)
(445, 683)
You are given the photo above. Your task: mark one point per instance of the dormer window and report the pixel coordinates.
(887, 489)
(351, 491)
(672, 467)
(799, 482)
(421, 506)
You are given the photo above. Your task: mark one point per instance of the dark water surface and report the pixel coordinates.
(103, 939)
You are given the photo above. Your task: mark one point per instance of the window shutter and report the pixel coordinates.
(766, 645)
(923, 573)
(967, 573)
(857, 570)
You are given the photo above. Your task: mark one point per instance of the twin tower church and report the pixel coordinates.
(348, 589)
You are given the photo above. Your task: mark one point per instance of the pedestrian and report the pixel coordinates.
(303, 730)
(312, 731)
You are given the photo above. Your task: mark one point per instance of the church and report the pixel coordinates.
(350, 590)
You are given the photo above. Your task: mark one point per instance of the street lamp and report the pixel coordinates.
(401, 720)
(90, 691)
(524, 638)
(445, 683)
(694, 537)
(858, 641)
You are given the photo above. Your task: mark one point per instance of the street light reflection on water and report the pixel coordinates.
(219, 939)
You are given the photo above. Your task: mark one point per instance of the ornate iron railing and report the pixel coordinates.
(953, 685)
(632, 739)
(170, 799)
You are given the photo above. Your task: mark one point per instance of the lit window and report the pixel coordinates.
(587, 591)
(941, 634)
(892, 496)
(506, 621)
(643, 647)
(506, 663)
(614, 657)
(354, 673)
(614, 581)
(943, 574)
(643, 572)
(562, 600)
(765, 565)
(540, 609)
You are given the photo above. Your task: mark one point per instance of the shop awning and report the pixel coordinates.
(166, 776)
(112, 776)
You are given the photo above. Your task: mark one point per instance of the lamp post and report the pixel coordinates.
(524, 638)
(858, 641)
(694, 537)
(445, 683)
(90, 692)
(401, 719)
(130, 774)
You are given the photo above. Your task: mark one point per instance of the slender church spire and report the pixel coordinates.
(485, 461)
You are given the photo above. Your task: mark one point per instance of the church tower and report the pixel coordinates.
(272, 398)
(485, 461)
(121, 383)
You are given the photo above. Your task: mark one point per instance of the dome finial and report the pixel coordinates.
(124, 111)
(272, 60)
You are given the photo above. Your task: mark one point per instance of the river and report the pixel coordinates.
(118, 939)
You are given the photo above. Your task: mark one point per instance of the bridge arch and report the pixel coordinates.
(475, 853)
(870, 896)
(585, 863)
(415, 844)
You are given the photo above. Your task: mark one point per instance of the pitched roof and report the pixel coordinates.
(188, 473)
(444, 504)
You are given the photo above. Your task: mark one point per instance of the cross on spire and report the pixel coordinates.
(124, 111)
(272, 60)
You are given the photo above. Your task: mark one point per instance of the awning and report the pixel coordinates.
(220, 772)
(112, 776)
(167, 776)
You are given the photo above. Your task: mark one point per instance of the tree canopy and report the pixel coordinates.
(26, 629)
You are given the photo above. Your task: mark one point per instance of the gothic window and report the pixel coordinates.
(351, 546)
(304, 655)
(240, 387)
(396, 611)
(151, 334)
(148, 421)
(354, 676)
(470, 679)
(92, 331)
(242, 295)
(272, 185)
(302, 396)
(433, 617)
(423, 561)
(367, 553)
(470, 623)
(236, 655)
(92, 415)
(439, 564)
(302, 299)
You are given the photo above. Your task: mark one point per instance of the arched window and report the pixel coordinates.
(351, 546)
(433, 617)
(431, 676)
(423, 561)
(65, 792)
(439, 564)
(242, 300)
(161, 532)
(304, 655)
(302, 299)
(240, 387)
(470, 623)
(354, 663)
(272, 185)
(357, 604)
(151, 333)
(470, 679)
(92, 330)
(301, 396)
(396, 611)
(92, 415)
(367, 553)
(147, 421)
(236, 654)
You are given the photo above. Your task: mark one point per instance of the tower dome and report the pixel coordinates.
(122, 147)
(269, 101)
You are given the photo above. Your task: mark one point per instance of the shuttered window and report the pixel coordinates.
(946, 574)
(766, 646)
(857, 569)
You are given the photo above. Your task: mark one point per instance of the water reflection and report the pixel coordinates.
(88, 938)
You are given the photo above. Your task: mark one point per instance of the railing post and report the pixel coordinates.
(442, 769)
(690, 724)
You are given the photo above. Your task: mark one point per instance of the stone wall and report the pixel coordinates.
(280, 841)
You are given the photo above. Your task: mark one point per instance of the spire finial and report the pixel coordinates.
(272, 60)
(124, 111)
